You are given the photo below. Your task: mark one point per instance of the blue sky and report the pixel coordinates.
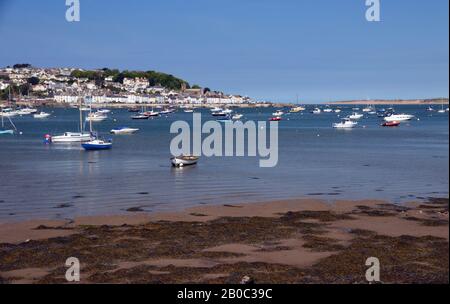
(320, 49)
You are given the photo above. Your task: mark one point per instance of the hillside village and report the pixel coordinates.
(23, 82)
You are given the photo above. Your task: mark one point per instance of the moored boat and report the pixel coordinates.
(124, 130)
(42, 115)
(391, 124)
(97, 144)
(356, 116)
(181, 161)
(399, 117)
(346, 123)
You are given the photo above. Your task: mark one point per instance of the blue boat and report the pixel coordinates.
(97, 144)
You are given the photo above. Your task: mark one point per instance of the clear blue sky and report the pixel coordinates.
(321, 49)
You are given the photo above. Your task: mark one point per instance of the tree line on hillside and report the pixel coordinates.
(155, 78)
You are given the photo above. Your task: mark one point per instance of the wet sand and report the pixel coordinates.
(294, 241)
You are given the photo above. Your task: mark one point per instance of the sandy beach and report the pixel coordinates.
(295, 241)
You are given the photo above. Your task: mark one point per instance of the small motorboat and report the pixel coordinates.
(97, 144)
(276, 118)
(346, 123)
(42, 115)
(123, 130)
(188, 111)
(316, 111)
(391, 124)
(151, 113)
(337, 111)
(226, 118)
(166, 112)
(297, 109)
(328, 110)
(140, 116)
(278, 113)
(356, 116)
(103, 111)
(237, 116)
(219, 114)
(182, 161)
(96, 117)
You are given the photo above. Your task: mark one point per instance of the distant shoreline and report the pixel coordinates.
(393, 102)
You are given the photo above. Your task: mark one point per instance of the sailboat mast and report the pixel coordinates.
(81, 116)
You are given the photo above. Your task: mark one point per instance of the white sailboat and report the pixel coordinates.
(72, 137)
(3, 130)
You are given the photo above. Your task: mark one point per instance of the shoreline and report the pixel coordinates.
(291, 241)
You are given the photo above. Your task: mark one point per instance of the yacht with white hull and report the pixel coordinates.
(399, 117)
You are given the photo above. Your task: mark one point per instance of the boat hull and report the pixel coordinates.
(181, 162)
(94, 147)
(6, 132)
(72, 139)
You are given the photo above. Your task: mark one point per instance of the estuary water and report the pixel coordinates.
(39, 181)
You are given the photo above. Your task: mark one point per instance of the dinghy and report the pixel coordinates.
(182, 161)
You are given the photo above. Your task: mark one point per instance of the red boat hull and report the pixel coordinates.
(391, 124)
(275, 119)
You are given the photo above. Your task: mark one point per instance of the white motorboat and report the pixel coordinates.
(297, 109)
(216, 109)
(123, 130)
(71, 137)
(237, 116)
(182, 161)
(151, 113)
(227, 111)
(317, 111)
(278, 113)
(188, 111)
(42, 115)
(337, 111)
(96, 117)
(367, 109)
(103, 111)
(346, 123)
(356, 116)
(328, 110)
(399, 117)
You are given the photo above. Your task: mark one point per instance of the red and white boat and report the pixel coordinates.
(391, 124)
(276, 118)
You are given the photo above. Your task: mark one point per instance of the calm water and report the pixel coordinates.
(398, 164)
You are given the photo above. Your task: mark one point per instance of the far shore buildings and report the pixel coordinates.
(57, 84)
